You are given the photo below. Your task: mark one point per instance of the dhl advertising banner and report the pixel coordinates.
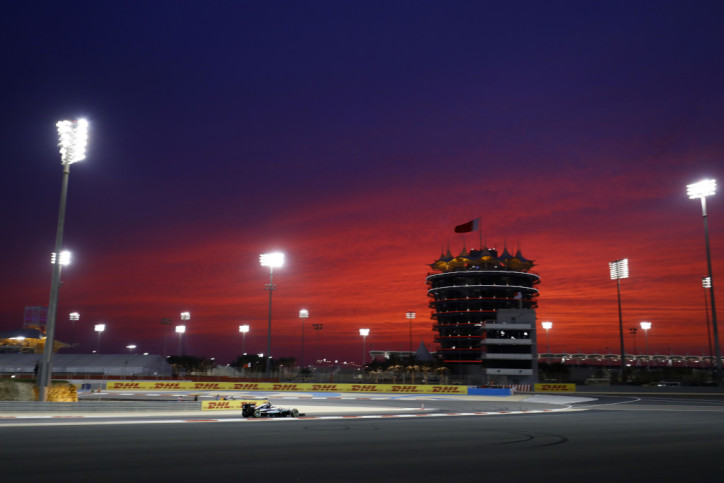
(555, 388)
(279, 386)
(224, 405)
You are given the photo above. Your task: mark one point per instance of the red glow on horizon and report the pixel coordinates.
(371, 272)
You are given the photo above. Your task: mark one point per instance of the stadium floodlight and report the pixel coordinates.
(72, 141)
(64, 258)
(272, 260)
(701, 190)
(618, 269)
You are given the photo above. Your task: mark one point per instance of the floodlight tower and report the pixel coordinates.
(645, 326)
(73, 139)
(364, 333)
(271, 260)
(701, 190)
(185, 317)
(317, 328)
(74, 317)
(243, 330)
(180, 330)
(303, 314)
(619, 270)
(100, 328)
(409, 316)
(547, 326)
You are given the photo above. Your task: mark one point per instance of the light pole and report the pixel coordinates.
(701, 190)
(180, 330)
(318, 328)
(73, 139)
(633, 331)
(364, 333)
(99, 328)
(410, 316)
(185, 318)
(547, 326)
(271, 260)
(619, 270)
(706, 283)
(243, 329)
(303, 314)
(645, 326)
(74, 317)
(165, 321)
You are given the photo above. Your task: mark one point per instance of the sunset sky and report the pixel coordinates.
(354, 136)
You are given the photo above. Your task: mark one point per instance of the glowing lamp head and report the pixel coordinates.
(99, 327)
(272, 260)
(180, 329)
(645, 325)
(303, 314)
(64, 258)
(73, 139)
(74, 316)
(547, 325)
(243, 329)
(706, 282)
(185, 315)
(410, 315)
(619, 269)
(702, 189)
(364, 332)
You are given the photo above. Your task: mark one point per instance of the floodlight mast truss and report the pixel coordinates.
(72, 140)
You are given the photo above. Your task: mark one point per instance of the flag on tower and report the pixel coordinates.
(472, 225)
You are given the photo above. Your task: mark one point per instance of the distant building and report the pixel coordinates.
(484, 310)
(26, 341)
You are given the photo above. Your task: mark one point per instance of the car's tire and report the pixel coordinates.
(257, 413)
(295, 413)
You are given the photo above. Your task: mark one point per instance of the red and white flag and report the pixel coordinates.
(472, 225)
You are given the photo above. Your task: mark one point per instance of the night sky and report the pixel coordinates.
(354, 136)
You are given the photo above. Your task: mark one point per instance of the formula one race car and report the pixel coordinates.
(250, 410)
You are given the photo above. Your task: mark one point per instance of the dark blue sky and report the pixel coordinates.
(355, 135)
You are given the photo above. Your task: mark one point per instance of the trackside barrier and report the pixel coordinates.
(487, 391)
(223, 405)
(555, 388)
(274, 386)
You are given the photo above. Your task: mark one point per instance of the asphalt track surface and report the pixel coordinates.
(592, 439)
